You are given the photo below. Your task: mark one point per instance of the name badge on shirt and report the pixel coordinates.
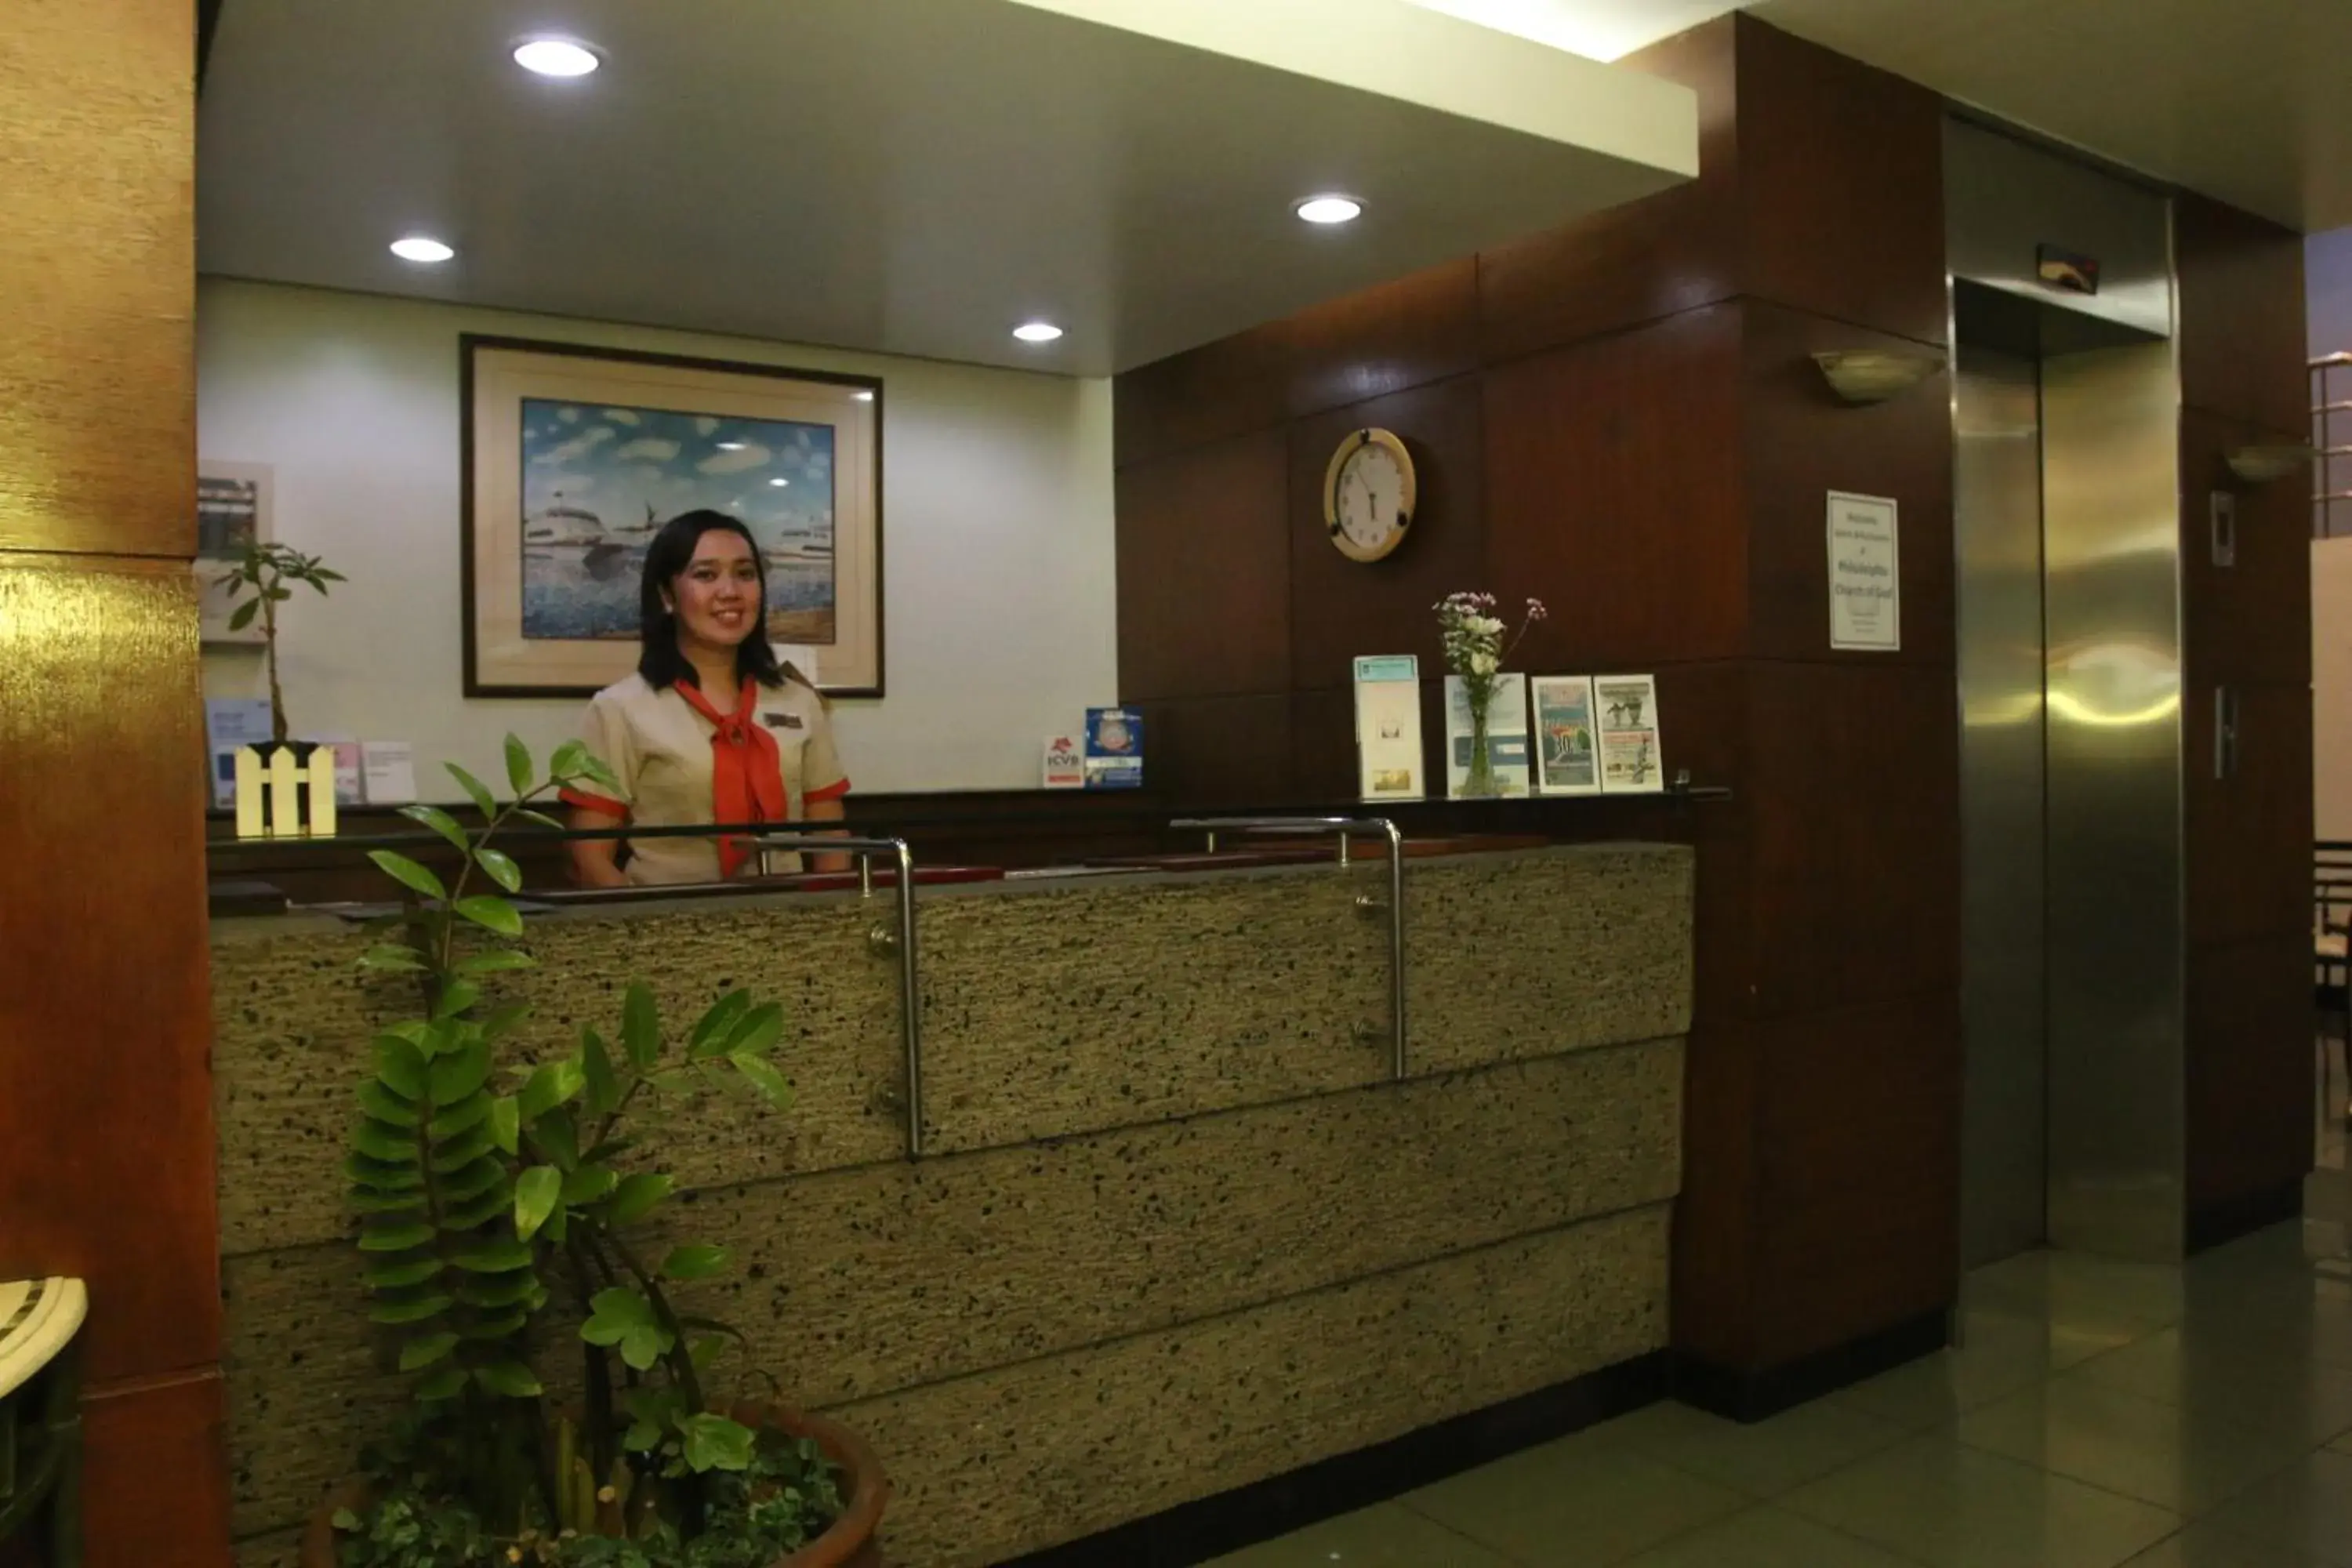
(781, 720)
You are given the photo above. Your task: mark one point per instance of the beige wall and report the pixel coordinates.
(2331, 687)
(997, 533)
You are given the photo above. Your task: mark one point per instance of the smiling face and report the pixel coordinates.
(717, 599)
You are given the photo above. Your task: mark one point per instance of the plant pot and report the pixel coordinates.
(848, 1543)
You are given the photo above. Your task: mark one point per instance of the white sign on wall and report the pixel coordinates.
(1865, 574)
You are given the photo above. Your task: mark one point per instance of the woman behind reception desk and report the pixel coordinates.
(710, 728)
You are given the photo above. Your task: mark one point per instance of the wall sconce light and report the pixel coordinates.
(2261, 464)
(1874, 375)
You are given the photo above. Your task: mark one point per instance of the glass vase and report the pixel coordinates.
(1480, 783)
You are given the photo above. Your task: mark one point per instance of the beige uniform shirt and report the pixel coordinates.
(659, 749)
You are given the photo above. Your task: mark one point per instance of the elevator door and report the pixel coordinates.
(1997, 524)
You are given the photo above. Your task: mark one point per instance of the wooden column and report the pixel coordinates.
(106, 1140)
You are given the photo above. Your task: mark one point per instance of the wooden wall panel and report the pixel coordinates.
(1665, 254)
(106, 1147)
(1219, 751)
(2248, 837)
(158, 1454)
(1341, 608)
(1841, 187)
(1218, 390)
(1419, 329)
(1858, 1157)
(1204, 571)
(1801, 441)
(99, 261)
(2242, 316)
(1855, 771)
(2250, 621)
(1613, 494)
(2250, 1073)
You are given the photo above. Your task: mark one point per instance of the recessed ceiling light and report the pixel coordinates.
(780, 483)
(864, 395)
(556, 57)
(419, 247)
(1330, 209)
(731, 446)
(1037, 332)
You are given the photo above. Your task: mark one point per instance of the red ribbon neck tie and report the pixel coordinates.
(747, 775)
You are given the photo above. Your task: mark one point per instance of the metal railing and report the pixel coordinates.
(1343, 827)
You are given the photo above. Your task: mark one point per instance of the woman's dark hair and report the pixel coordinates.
(659, 659)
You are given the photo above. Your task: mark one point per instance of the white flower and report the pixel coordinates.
(1486, 626)
(1485, 664)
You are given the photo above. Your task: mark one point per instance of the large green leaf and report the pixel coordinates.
(440, 822)
(756, 1032)
(500, 868)
(565, 761)
(518, 769)
(387, 1145)
(382, 1105)
(486, 1174)
(475, 790)
(487, 1330)
(468, 1147)
(442, 1383)
(460, 1075)
(761, 1075)
(452, 1120)
(366, 1201)
(554, 1084)
(408, 873)
(456, 998)
(491, 914)
(424, 1351)
(397, 1314)
(636, 1197)
(501, 1290)
(492, 961)
(502, 1020)
(391, 1237)
(401, 1274)
(642, 1346)
(612, 1313)
(506, 1125)
(596, 1073)
(401, 1065)
(540, 818)
(557, 1139)
(392, 958)
(711, 1030)
(536, 1193)
(695, 1261)
(641, 1026)
(712, 1442)
(244, 615)
(497, 1258)
(383, 1176)
(510, 1378)
(588, 1184)
(477, 1213)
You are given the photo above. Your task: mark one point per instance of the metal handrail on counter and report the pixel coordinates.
(1343, 827)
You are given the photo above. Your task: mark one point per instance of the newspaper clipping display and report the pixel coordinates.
(1567, 760)
(1632, 761)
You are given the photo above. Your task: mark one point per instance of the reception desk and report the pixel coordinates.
(1177, 1226)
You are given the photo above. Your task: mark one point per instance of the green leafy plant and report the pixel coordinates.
(256, 585)
(487, 1194)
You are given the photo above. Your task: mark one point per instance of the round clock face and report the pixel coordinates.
(1368, 495)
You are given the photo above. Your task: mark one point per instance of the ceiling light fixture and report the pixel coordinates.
(780, 483)
(864, 395)
(1037, 332)
(556, 57)
(731, 446)
(1330, 209)
(422, 248)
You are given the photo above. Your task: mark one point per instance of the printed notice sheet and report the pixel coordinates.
(1631, 759)
(1865, 574)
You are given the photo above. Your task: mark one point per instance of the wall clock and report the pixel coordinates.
(1368, 495)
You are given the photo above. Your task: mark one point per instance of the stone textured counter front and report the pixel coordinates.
(1175, 1229)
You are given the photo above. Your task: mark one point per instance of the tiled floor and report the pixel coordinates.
(2096, 1414)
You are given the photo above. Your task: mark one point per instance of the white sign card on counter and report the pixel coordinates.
(1567, 759)
(1865, 574)
(1632, 757)
(389, 770)
(1388, 726)
(1507, 735)
(1066, 762)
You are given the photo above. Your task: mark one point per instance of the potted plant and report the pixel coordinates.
(501, 1214)
(256, 585)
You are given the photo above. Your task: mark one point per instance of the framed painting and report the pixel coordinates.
(574, 455)
(233, 511)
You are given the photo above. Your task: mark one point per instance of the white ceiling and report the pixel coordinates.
(2246, 100)
(910, 176)
(1599, 29)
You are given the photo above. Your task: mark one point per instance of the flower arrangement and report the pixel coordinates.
(1475, 651)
